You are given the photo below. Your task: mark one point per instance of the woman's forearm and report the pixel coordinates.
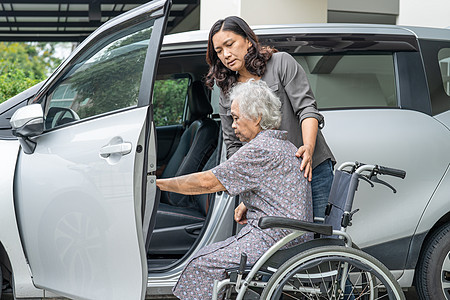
(310, 127)
(192, 184)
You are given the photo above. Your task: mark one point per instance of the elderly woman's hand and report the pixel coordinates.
(306, 153)
(240, 214)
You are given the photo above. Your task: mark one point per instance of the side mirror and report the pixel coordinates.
(28, 122)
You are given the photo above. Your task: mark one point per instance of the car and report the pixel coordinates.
(81, 214)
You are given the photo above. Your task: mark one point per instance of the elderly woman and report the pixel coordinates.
(265, 173)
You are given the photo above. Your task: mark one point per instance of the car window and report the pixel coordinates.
(436, 56)
(169, 100)
(444, 64)
(351, 80)
(105, 78)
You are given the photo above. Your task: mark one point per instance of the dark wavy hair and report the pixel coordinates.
(255, 59)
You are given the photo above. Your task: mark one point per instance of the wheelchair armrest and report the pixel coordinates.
(286, 223)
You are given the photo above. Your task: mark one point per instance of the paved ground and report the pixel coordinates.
(411, 295)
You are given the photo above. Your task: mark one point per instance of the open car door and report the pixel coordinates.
(80, 192)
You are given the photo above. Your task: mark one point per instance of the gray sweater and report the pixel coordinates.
(288, 80)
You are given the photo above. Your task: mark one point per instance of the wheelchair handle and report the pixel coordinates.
(361, 167)
(391, 172)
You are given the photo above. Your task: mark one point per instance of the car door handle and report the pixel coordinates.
(122, 149)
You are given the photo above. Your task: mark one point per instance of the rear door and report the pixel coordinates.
(80, 195)
(377, 110)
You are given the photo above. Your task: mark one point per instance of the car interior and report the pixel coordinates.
(187, 141)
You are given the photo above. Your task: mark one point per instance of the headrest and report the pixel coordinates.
(198, 101)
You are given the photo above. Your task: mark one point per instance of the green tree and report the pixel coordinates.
(169, 96)
(22, 65)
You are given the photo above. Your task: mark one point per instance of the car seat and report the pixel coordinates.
(180, 217)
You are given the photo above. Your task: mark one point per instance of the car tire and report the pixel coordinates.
(433, 271)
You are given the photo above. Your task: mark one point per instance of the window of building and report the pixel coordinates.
(63, 96)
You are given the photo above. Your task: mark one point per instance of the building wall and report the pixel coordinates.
(363, 11)
(263, 12)
(258, 12)
(430, 13)
(365, 6)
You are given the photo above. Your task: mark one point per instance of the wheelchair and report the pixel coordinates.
(329, 266)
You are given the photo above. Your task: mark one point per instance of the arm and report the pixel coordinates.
(302, 100)
(310, 127)
(298, 90)
(192, 184)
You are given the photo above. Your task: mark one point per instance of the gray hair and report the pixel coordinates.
(256, 99)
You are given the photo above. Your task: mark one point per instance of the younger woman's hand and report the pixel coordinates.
(306, 153)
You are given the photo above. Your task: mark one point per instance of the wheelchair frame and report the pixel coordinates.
(343, 194)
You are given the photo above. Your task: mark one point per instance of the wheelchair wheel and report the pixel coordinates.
(332, 272)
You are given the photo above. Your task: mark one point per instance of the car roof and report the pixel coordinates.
(201, 36)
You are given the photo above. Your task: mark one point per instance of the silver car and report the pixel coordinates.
(80, 213)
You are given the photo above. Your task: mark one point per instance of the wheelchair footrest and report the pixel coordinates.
(251, 295)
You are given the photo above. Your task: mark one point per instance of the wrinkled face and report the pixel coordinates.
(231, 49)
(245, 129)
